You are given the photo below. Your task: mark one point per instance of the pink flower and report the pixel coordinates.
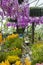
(42, 64)
(39, 64)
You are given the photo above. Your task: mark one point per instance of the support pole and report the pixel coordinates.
(33, 32)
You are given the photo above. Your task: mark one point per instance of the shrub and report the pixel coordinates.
(37, 53)
(12, 43)
(15, 52)
(2, 56)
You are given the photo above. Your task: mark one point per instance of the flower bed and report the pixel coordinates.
(15, 60)
(11, 52)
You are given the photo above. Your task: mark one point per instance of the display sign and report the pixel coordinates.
(36, 11)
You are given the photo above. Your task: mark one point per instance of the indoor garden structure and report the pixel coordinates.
(21, 33)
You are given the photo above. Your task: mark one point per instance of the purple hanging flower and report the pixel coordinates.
(8, 24)
(41, 19)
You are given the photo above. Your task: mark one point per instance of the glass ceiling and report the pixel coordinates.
(35, 3)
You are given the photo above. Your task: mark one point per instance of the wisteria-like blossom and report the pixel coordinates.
(16, 9)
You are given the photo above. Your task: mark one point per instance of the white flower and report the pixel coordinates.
(30, 52)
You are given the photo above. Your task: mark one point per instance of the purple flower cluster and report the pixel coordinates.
(14, 10)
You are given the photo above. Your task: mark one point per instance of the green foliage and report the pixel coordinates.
(20, 30)
(12, 43)
(15, 52)
(3, 56)
(9, 48)
(18, 43)
(37, 53)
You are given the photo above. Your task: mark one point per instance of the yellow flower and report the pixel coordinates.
(18, 63)
(12, 36)
(0, 37)
(27, 62)
(13, 58)
(2, 63)
(7, 62)
(16, 48)
(39, 45)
